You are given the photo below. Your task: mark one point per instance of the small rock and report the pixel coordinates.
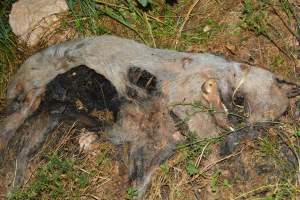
(32, 19)
(206, 28)
(87, 141)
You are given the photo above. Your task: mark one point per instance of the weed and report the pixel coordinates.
(297, 133)
(278, 61)
(164, 30)
(204, 33)
(103, 155)
(82, 180)
(85, 17)
(281, 191)
(268, 147)
(284, 189)
(191, 168)
(254, 18)
(165, 168)
(226, 183)
(132, 193)
(8, 46)
(50, 181)
(214, 181)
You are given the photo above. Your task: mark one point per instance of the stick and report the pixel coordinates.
(187, 17)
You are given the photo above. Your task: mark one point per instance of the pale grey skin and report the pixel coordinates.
(180, 77)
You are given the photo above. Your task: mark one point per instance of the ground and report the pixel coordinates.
(259, 32)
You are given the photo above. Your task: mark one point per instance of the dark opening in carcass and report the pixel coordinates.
(142, 79)
(81, 94)
(239, 100)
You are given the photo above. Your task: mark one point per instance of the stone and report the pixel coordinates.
(32, 19)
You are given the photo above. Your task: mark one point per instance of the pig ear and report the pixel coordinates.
(204, 89)
(292, 89)
(293, 92)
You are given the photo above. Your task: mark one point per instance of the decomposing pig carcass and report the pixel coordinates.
(148, 91)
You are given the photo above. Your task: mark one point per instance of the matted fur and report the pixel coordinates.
(180, 78)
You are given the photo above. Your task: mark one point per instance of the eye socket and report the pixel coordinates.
(142, 79)
(239, 100)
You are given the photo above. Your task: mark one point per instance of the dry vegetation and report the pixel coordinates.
(260, 32)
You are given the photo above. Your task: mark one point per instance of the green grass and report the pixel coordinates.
(8, 46)
(85, 17)
(204, 33)
(284, 189)
(56, 179)
(256, 18)
(214, 181)
(131, 193)
(157, 25)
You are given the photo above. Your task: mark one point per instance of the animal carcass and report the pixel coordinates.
(149, 91)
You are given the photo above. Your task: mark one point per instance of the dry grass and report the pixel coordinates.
(247, 31)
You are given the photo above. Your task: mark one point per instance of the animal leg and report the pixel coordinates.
(142, 165)
(27, 141)
(15, 120)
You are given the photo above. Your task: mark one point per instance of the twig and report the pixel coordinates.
(241, 82)
(258, 124)
(209, 166)
(281, 50)
(83, 170)
(93, 196)
(256, 189)
(111, 4)
(123, 22)
(187, 17)
(15, 174)
(284, 23)
(291, 9)
(106, 181)
(198, 161)
(150, 29)
(64, 139)
(211, 138)
(156, 19)
(277, 46)
(292, 148)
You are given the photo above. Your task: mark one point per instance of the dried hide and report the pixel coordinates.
(148, 90)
